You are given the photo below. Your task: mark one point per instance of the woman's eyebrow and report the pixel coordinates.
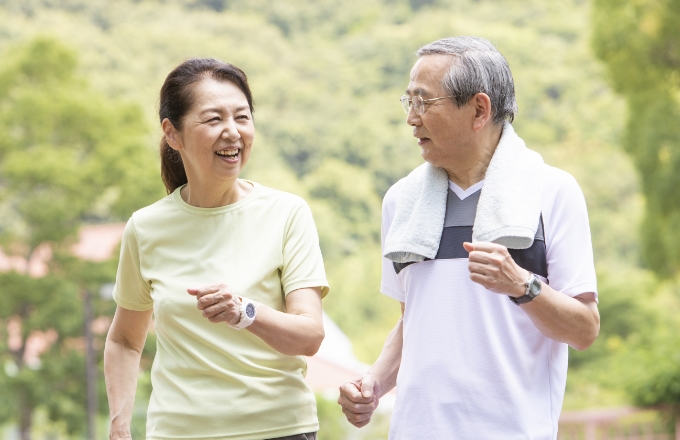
(218, 110)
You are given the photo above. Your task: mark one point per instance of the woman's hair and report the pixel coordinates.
(177, 98)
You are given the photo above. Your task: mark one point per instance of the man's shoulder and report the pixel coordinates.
(557, 181)
(392, 194)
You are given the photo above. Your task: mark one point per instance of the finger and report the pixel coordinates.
(483, 246)
(484, 280)
(357, 419)
(220, 317)
(479, 268)
(480, 257)
(201, 291)
(362, 424)
(214, 309)
(367, 386)
(357, 407)
(207, 301)
(352, 392)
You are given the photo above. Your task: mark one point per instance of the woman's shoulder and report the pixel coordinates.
(279, 198)
(155, 211)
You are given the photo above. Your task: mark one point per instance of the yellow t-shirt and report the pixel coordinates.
(209, 380)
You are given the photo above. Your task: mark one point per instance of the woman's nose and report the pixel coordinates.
(230, 132)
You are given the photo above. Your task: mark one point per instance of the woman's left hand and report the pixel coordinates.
(218, 303)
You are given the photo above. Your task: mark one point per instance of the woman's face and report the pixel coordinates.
(217, 132)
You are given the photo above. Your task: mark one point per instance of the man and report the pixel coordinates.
(481, 349)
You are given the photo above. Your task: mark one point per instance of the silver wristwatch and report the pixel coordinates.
(532, 290)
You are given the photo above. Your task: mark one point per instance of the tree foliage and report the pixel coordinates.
(639, 41)
(326, 77)
(67, 155)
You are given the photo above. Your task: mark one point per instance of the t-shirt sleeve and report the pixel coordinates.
(389, 283)
(571, 268)
(131, 291)
(302, 261)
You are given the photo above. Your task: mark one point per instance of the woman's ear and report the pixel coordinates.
(171, 135)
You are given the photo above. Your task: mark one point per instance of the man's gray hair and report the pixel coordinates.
(477, 67)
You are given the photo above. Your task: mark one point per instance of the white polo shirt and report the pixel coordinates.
(473, 364)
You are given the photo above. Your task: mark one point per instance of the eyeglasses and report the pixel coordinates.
(418, 103)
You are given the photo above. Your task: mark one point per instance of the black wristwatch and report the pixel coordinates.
(533, 289)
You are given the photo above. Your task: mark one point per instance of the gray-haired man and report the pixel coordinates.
(481, 349)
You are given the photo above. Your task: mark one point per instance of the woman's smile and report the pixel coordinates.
(229, 155)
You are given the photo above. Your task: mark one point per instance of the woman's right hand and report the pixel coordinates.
(119, 435)
(123, 350)
(218, 303)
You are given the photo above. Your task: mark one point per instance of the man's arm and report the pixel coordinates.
(360, 397)
(573, 320)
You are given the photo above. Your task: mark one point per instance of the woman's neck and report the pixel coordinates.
(214, 196)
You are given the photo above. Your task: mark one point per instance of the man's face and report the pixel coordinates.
(444, 130)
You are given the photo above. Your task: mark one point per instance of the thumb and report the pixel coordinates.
(367, 385)
(469, 246)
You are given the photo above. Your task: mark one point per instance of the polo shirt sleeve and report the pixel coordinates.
(569, 249)
(131, 291)
(389, 283)
(302, 261)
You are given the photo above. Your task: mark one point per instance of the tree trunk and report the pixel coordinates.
(90, 367)
(26, 416)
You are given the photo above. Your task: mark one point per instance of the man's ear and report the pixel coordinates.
(171, 135)
(483, 111)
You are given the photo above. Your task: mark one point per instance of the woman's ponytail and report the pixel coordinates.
(172, 167)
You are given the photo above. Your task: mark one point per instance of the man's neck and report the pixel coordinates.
(470, 167)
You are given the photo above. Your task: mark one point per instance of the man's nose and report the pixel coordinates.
(412, 118)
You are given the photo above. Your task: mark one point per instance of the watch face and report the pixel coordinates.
(250, 310)
(535, 287)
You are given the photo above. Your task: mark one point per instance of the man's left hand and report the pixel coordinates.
(492, 266)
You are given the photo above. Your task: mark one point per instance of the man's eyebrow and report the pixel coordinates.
(416, 91)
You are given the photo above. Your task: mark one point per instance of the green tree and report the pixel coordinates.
(639, 41)
(67, 156)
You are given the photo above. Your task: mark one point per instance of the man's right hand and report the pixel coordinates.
(359, 398)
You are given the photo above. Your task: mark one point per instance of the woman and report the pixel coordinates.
(230, 269)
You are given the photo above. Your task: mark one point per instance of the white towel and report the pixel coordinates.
(419, 216)
(509, 207)
(507, 213)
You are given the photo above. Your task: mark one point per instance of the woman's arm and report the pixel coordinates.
(123, 350)
(298, 331)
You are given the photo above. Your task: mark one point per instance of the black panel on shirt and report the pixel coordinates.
(460, 216)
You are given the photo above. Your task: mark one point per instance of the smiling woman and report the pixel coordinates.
(217, 255)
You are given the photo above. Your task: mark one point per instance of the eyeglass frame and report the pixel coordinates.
(407, 108)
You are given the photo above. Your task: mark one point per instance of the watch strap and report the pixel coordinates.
(248, 314)
(528, 296)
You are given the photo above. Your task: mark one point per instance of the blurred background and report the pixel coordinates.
(598, 87)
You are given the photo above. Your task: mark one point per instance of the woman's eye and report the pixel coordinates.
(245, 117)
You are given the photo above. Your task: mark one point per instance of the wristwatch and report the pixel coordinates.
(533, 289)
(248, 314)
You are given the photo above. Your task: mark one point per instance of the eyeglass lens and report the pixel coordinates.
(416, 101)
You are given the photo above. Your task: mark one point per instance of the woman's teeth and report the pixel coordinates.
(228, 153)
